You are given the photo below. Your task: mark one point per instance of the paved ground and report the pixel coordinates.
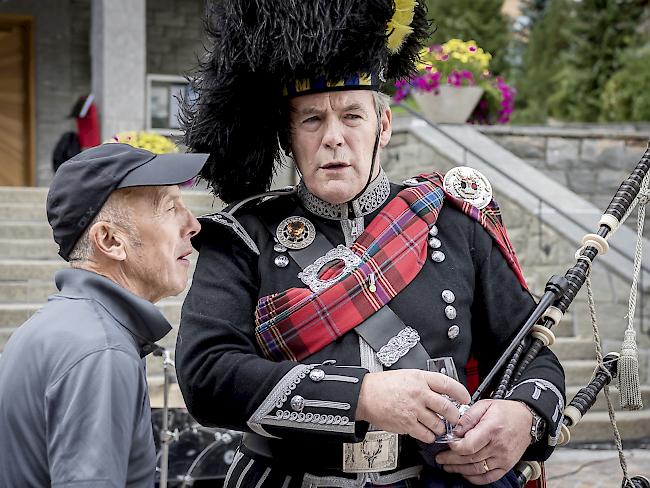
(587, 468)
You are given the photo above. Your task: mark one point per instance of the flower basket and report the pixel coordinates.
(451, 105)
(454, 85)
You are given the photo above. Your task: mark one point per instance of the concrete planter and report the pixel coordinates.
(452, 105)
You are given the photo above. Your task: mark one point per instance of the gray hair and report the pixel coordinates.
(113, 211)
(382, 103)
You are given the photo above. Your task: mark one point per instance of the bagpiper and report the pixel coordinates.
(319, 315)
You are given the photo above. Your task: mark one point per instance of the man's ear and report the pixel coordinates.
(386, 128)
(108, 240)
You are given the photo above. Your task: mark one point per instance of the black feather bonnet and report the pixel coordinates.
(260, 50)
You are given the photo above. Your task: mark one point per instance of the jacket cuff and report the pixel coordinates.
(546, 399)
(314, 399)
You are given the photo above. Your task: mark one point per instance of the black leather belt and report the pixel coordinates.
(315, 457)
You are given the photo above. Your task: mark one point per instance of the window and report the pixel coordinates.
(164, 93)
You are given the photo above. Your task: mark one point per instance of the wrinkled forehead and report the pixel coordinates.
(333, 100)
(151, 196)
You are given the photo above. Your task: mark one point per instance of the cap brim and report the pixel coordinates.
(165, 169)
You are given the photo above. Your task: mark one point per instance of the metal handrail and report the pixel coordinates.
(468, 150)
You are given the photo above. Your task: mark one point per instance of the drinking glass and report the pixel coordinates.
(445, 365)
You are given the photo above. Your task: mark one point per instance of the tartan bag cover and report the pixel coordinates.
(296, 323)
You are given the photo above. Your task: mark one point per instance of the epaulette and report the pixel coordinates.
(461, 182)
(227, 219)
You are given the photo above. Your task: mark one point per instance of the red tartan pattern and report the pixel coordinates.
(490, 218)
(296, 323)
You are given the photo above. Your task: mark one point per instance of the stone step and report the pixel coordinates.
(595, 427)
(25, 230)
(601, 402)
(578, 371)
(156, 391)
(12, 314)
(26, 291)
(28, 248)
(14, 194)
(30, 269)
(568, 348)
(23, 211)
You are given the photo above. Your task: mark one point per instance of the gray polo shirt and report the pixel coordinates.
(74, 408)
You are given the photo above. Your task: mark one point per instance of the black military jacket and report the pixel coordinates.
(227, 382)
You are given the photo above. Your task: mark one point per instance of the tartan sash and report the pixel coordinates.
(296, 323)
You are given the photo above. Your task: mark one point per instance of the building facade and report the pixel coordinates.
(128, 53)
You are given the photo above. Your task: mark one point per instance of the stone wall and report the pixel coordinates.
(590, 160)
(174, 35)
(542, 252)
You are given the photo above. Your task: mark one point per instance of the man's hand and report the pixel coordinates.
(496, 434)
(406, 401)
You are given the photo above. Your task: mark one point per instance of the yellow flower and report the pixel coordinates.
(155, 143)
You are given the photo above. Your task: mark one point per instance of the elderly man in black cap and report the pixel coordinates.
(74, 408)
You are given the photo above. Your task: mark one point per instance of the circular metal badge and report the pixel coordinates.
(469, 185)
(295, 232)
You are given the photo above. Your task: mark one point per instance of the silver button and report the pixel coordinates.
(316, 374)
(452, 333)
(434, 243)
(297, 403)
(281, 261)
(448, 296)
(433, 231)
(279, 248)
(450, 312)
(438, 256)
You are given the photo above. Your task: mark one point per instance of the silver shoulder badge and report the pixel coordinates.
(295, 232)
(468, 184)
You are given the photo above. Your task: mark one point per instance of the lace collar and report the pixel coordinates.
(370, 200)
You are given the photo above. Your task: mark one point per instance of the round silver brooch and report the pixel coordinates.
(295, 232)
(469, 185)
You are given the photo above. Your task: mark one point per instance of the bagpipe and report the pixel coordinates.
(559, 293)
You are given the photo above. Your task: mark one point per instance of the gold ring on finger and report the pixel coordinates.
(485, 466)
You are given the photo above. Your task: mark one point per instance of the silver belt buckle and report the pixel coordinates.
(377, 452)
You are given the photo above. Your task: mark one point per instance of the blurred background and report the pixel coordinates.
(548, 98)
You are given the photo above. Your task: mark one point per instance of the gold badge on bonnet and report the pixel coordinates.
(295, 232)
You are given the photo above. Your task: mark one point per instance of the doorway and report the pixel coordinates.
(16, 101)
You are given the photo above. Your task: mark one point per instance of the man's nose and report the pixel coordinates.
(194, 226)
(333, 136)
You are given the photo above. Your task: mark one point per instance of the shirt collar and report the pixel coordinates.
(140, 317)
(370, 200)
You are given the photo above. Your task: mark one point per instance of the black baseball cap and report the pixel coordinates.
(83, 183)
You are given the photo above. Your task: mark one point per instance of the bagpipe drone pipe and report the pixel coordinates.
(559, 293)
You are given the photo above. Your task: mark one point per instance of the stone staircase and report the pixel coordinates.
(28, 261)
